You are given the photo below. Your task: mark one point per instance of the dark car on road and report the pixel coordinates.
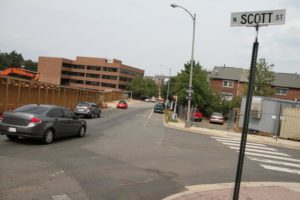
(87, 109)
(44, 122)
(159, 108)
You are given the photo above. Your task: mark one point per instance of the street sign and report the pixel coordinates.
(269, 17)
(190, 90)
(188, 98)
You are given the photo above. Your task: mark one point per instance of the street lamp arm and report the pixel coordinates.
(175, 6)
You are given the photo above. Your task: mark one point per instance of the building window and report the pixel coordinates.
(67, 81)
(108, 77)
(72, 73)
(122, 86)
(94, 68)
(92, 83)
(227, 96)
(110, 85)
(227, 83)
(67, 65)
(110, 69)
(93, 75)
(78, 66)
(125, 79)
(281, 91)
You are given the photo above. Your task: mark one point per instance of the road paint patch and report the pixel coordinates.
(250, 146)
(60, 197)
(271, 156)
(57, 173)
(262, 151)
(150, 115)
(238, 142)
(273, 162)
(282, 169)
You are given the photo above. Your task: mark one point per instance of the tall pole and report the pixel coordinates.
(189, 97)
(188, 117)
(168, 91)
(246, 118)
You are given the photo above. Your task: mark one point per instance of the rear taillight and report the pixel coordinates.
(35, 120)
(1, 117)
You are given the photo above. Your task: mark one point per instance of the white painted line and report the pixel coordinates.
(238, 142)
(273, 162)
(226, 138)
(274, 157)
(282, 169)
(148, 118)
(250, 146)
(262, 151)
(60, 197)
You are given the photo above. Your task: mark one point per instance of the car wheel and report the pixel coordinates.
(12, 137)
(48, 136)
(99, 114)
(81, 132)
(92, 116)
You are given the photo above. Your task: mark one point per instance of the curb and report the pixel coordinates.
(207, 187)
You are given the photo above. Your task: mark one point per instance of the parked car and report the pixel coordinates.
(87, 109)
(44, 122)
(216, 117)
(197, 116)
(159, 108)
(122, 104)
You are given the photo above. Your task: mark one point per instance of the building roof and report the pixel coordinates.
(287, 80)
(229, 73)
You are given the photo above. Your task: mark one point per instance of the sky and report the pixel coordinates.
(149, 34)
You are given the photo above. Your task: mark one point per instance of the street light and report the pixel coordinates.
(168, 90)
(187, 124)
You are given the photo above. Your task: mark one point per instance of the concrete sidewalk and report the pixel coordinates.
(251, 138)
(248, 191)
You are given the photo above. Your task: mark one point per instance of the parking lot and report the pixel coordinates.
(205, 124)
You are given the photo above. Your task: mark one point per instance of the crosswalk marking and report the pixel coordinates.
(250, 146)
(262, 151)
(269, 158)
(274, 162)
(238, 142)
(282, 169)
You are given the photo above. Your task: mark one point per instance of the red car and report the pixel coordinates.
(122, 104)
(197, 116)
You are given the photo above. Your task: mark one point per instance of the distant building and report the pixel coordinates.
(160, 80)
(87, 72)
(230, 82)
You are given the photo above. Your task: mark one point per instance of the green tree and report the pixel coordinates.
(140, 86)
(14, 59)
(264, 77)
(202, 95)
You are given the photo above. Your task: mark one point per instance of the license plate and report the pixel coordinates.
(80, 110)
(12, 130)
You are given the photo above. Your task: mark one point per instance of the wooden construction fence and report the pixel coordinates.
(16, 92)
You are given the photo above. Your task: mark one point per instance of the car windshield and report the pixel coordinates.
(217, 114)
(83, 104)
(32, 109)
(122, 102)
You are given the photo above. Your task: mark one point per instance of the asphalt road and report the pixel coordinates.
(126, 154)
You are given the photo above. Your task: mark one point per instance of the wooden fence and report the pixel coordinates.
(16, 92)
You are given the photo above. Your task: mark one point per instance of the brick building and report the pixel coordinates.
(87, 72)
(230, 82)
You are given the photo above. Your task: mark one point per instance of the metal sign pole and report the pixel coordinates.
(246, 118)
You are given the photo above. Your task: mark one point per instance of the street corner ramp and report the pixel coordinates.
(252, 190)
